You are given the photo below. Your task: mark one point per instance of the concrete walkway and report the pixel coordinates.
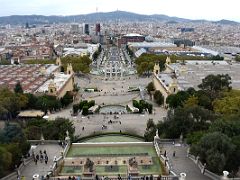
(42, 168)
(181, 163)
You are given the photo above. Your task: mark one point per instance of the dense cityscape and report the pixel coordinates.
(118, 96)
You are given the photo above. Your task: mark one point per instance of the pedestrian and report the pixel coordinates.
(165, 153)
(83, 128)
(46, 159)
(37, 157)
(41, 158)
(40, 152)
(174, 153)
(45, 152)
(35, 160)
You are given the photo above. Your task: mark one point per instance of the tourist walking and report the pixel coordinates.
(174, 153)
(41, 158)
(37, 157)
(46, 159)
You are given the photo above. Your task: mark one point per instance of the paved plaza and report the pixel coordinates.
(42, 168)
(134, 123)
(111, 92)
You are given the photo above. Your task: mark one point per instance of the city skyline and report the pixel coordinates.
(209, 10)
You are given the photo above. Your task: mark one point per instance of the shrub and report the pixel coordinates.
(85, 110)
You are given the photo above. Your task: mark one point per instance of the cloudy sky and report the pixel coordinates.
(192, 9)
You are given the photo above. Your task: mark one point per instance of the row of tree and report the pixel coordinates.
(208, 119)
(13, 145)
(79, 63)
(13, 139)
(157, 95)
(145, 62)
(51, 130)
(12, 102)
(143, 105)
(83, 106)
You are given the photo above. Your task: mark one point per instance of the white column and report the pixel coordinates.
(121, 70)
(110, 70)
(116, 68)
(105, 71)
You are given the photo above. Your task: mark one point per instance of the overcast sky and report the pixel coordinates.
(192, 9)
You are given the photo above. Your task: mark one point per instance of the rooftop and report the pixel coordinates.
(151, 44)
(133, 35)
(192, 73)
(59, 79)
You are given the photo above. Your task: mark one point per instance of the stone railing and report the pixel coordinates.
(66, 149)
(123, 178)
(57, 162)
(166, 162)
(206, 172)
(44, 141)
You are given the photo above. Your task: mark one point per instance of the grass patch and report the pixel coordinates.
(78, 151)
(99, 134)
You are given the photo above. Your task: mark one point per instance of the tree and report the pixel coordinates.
(67, 99)
(18, 88)
(194, 137)
(191, 101)
(184, 121)
(145, 63)
(12, 133)
(5, 161)
(80, 64)
(75, 108)
(52, 130)
(177, 100)
(213, 84)
(229, 125)
(215, 149)
(203, 99)
(237, 58)
(85, 110)
(10, 103)
(150, 130)
(229, 104)
(150, 87)
(158, 97)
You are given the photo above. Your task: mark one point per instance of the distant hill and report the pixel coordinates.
(226, 22)
(96, 17)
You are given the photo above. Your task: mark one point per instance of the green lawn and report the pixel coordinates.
(78, 151)
(112, 138)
